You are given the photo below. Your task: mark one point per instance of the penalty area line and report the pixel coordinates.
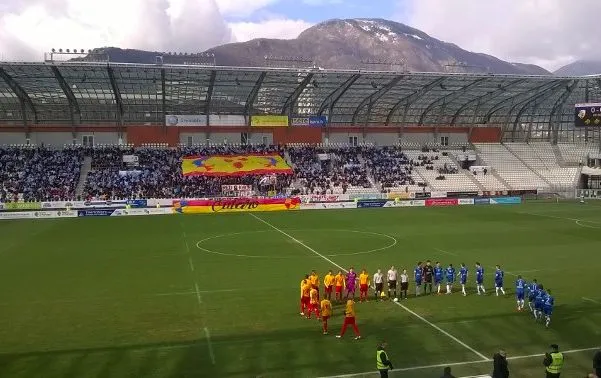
(483, 357)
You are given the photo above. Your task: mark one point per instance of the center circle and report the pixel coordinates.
(326, 236)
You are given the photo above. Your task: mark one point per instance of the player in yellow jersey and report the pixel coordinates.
(350, 319)
(314, 279)
(328, 283)
(326, 312)
(313, 303)
(363, 285)
(305, 288)
(339, 283)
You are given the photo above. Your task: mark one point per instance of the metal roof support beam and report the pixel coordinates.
(252, 96)
(288, 107)
(526, 102)
(374, 97)
(73, 105)
(485, 97)
(559, 104)
(163, 98)
(500, 105)
(442, 100)
(532, 100)
(332, 99)
(117, 94)
(23, 97)
(210, 96)
(410, 99)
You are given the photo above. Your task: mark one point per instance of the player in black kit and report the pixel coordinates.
(428, 273)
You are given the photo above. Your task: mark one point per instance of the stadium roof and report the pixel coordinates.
(91, 93)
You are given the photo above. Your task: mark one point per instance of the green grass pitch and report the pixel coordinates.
(136, 297)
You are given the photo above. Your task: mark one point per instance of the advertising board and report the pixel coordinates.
(269, 120)
(229, 205)
(371, 203)
(22, 205)
(481, 201)
(438, 202)
(185, 120)
(506, 201)
(313, 121)
(466, 201)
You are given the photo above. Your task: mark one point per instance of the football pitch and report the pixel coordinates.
(218, 295)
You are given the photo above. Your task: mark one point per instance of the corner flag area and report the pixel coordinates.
(218, 295)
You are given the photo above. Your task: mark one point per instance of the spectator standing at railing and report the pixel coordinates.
(553, 362)
(597, 363)
(500, 365)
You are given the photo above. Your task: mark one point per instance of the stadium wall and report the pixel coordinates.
(138, 135)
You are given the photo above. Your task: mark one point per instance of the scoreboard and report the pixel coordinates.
(588, 115)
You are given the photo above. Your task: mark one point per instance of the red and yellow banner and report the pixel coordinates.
(231, 205)
(234, 165)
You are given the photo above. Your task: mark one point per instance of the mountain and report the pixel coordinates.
(373, 44)
(580, 68)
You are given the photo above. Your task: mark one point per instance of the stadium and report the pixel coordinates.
(117, 264)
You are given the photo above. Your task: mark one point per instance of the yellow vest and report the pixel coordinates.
(556, 363)
(379, 364)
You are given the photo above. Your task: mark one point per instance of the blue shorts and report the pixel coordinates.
(538, 306)
(437, 281)
(463, 281)
(499, 284)
(548, 310)
(520, 295)
(531, 298)
(450, 281)
(418, 282)
(479, 281)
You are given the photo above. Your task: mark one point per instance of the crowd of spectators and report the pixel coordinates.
(39, 174)
(390, 167)
(327, 171)
(158, 173)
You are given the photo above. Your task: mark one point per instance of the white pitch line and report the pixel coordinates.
(458, 363)
(483, 357)
(590, 300)
(445, 252)
(211, 352)
(198, 296)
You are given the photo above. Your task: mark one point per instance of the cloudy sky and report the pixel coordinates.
(549, 33)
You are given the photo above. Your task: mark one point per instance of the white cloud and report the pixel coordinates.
(29, 28)
(547, 32)
(274, 28)
(242, 8)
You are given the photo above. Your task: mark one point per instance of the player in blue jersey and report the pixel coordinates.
(548, 303)
(463, 278)
(480, 278)
(520, 290)
(538, 302)
(532, 289)
(499, 275)
(438, 272)
(418, 278)
(450, 273)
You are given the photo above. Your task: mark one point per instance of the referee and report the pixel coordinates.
(383, 364)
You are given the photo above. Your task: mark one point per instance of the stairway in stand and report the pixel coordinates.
(86, 167)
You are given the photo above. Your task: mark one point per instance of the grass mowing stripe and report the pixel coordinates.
(483, 357)
(367, 373)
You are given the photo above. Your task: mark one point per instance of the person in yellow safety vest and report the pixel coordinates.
(553, 362)
(383, 364)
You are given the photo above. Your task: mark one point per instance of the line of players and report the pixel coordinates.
(540, 302)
